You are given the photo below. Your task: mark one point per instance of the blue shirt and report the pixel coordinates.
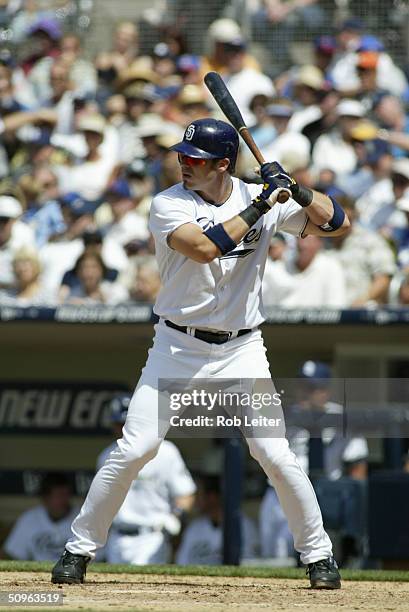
(45, 220)
(397, 151)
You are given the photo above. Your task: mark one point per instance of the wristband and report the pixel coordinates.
(255, 211)
(302, 195)
(218, 235)
(337, 218)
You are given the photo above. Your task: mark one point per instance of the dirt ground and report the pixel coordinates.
(143, 593)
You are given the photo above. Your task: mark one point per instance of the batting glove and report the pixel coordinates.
(275, 182)
(274, 174)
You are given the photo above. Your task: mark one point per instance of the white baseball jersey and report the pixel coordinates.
(149, 500)
(224, 294)
(35, 537)
(202, 542)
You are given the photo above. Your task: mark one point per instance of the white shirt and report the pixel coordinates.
(21, 236)
(40, 298)
(363, 255)
(244, 85)
(277, 282)
(331, 152)
(372, 200)
(377, 207)
(321, 285)
(224, 294)
(149, 500)
(202, 542)
(88, 178)
(304, 117)
(388, 75)
(285, 146)
(76, 144)
(131, 227)
(59, 257)
(35, 537)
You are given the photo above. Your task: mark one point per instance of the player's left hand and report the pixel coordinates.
(275, 181)
(274, 174)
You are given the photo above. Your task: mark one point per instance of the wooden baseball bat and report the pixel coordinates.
(225, 100)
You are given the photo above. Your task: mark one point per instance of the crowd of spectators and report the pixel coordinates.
(84, 147)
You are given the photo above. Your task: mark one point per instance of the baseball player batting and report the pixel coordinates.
(212, 233)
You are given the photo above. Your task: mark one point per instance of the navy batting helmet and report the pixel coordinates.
(119, 408)
(314, 369)
(315, 373)
(209, 139)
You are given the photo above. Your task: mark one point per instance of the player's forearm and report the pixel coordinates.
(226, 236)
(321, 209)
(222, 238)
(190, 241)
(235, 229)
(204, 247)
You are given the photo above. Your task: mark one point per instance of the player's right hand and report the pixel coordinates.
(275, 182)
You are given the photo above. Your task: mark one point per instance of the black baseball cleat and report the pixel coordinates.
(324, 574)
(69, 569)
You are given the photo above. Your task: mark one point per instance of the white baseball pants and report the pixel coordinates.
(144, 549)
(178, 355)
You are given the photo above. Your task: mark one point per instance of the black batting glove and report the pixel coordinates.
(273, 171)
(274, 174)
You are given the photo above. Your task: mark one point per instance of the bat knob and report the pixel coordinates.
(283, 197)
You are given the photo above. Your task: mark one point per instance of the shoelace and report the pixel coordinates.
(323, 564)
(70, 559)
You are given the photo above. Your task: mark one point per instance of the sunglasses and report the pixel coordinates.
(191, 161)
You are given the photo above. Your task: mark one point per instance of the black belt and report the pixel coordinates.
(134, 530)
(207, 336)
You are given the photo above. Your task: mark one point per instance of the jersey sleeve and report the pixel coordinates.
(292, 218)
(167, 214)
(180, 481)
(17, 545)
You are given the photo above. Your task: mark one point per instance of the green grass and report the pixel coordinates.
(227, 571)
